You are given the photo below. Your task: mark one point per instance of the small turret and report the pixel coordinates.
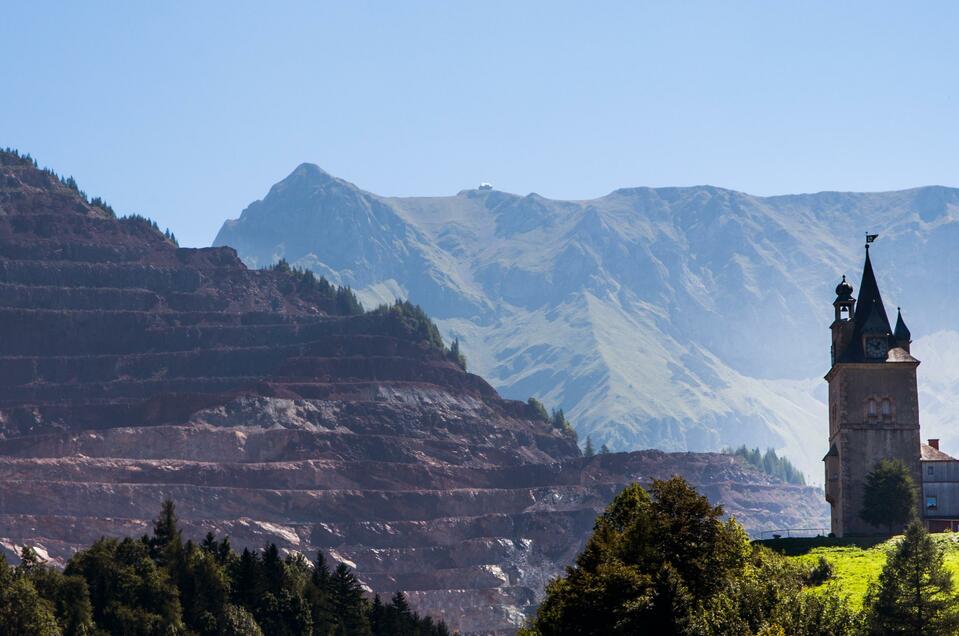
(845, 304)
(901, 334)
(843, 290)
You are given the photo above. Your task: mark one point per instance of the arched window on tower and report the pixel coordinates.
(871, 408)
(886, 407)
(844, 312)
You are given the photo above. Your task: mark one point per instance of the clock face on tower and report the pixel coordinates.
(876, 347)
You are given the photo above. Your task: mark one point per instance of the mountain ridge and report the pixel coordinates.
(733, 286)
(272, 409)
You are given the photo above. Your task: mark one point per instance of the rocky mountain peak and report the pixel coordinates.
(271, 408)
(679, 317)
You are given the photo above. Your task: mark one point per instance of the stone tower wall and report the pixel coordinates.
(863, 440)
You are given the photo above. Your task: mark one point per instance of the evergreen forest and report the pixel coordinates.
(770, 463)
(161, 585)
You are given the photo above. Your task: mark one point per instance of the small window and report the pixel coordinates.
(886, 408)
(929, 470)
(871, 408)
(932, 503)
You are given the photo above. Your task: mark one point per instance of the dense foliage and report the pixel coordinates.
(161, 585)
(664, 562)
(770, 463)
(412, 320)
(889, 495)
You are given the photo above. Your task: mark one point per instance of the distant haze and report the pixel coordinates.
(184, 112)
(674, 318)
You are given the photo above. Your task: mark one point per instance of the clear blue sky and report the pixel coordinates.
(187, 112)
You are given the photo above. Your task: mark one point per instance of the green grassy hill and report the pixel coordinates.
(856, 563)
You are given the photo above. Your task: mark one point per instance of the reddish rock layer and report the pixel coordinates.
(132, 370)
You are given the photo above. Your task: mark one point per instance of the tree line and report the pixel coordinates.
(11, 156)
(305, 282)
(413, 321)
(408, 319)
(663, 561)
(770, 463)
(161, 585)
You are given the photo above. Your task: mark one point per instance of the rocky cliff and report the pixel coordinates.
(132, 371)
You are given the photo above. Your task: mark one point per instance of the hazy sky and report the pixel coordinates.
(187, 112)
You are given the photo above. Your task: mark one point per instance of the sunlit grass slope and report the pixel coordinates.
(855, 567)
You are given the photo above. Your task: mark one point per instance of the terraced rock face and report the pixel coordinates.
(132, 371)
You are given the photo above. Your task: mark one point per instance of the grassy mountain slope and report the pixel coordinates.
(677, 318)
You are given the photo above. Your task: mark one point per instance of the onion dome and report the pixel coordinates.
(902, 333)
(844, 290)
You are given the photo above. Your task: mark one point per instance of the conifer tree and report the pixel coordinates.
(321, 596)
(348, 603)
(209, 543)
(166, 531)
(914, 594)
(588, 451)
(456, 355)
(272, 567)
(246, 579)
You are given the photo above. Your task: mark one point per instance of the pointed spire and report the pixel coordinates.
(871, 314)
(902, 333)
(870, 319)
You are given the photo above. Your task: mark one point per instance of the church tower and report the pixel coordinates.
(873, 399)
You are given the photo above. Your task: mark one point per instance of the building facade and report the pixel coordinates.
(873, 400)
(874, 413)
(940, 488)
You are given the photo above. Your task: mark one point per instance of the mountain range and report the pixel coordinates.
(273, 410)
(674, 318)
